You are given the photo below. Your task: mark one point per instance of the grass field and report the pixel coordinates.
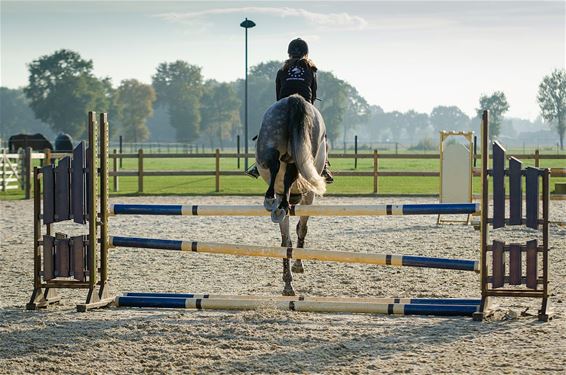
(236, 185)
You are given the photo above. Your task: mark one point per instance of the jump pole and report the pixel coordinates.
(303, 306)
(416, 301)
(297, 253)
(330, 210)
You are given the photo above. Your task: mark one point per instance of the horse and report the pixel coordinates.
(290, 155)
(36, 141)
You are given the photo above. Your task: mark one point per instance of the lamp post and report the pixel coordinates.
(246, 24)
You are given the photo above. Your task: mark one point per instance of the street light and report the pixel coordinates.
(246, 24)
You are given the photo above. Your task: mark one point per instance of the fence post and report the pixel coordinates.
(537, 158)
(4, 161)
(21, 161)
(238, 149)
(115, 170)
(375, 168)
(476, 149)
(140, 170)
(46, 157)
(121, 151)
(28, 170)
(217, 170)
(356, 152)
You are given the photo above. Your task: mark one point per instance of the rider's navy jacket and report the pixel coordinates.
(300, 79)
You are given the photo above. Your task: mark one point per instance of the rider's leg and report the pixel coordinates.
(326, 171)
(252, 170)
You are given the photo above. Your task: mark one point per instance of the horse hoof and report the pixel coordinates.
(278, 215)
(288, 291)
(269, 204)
(298, 267)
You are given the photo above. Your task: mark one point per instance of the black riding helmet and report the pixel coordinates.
(298, 48)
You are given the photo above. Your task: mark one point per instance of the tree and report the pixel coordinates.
(375, 125)
(338, 99)
(334, 95)
(134, 105)
(552, 101)
(415, 124)
(394, 122)
(178, 86)
(497, 105)
(448, 118)
(62, 89)
(220, 111)
(261, 93)
(17, 117)
(358, 111)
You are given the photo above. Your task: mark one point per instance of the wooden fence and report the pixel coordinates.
(25, 162)
(376, 173)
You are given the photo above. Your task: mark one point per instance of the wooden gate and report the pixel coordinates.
(9, 173)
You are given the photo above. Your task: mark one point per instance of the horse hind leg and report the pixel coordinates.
(291, 175)
(301, 234)
(272, 160)
(286, 242)
(302, 230)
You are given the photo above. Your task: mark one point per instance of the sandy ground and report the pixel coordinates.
(120, 340)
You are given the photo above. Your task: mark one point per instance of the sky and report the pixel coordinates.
(399, 55)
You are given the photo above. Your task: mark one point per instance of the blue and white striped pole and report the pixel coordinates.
(305, 306)
(297, 253)
(300, 210)
(415, 301)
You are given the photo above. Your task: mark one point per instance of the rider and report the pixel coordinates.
(297, 76)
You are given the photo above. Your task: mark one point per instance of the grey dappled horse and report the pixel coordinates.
(290, 156)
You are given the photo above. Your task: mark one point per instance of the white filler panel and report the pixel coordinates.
(456, 174)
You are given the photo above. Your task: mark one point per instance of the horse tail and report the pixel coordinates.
(300, 131)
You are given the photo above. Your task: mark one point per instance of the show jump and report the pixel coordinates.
(76, 188)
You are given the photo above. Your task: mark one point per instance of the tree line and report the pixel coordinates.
(62, 88)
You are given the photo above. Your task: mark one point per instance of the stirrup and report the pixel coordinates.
(327, 176)
(252, 172)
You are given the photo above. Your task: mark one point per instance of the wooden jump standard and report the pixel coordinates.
(63, 262)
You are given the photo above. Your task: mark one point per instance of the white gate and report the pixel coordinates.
(9, 174)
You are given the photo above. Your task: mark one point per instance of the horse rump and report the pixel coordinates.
(301, 145)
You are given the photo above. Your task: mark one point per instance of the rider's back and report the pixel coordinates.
(297, 76)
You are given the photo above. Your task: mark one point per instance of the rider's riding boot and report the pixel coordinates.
(252, 171)
(327, 174)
